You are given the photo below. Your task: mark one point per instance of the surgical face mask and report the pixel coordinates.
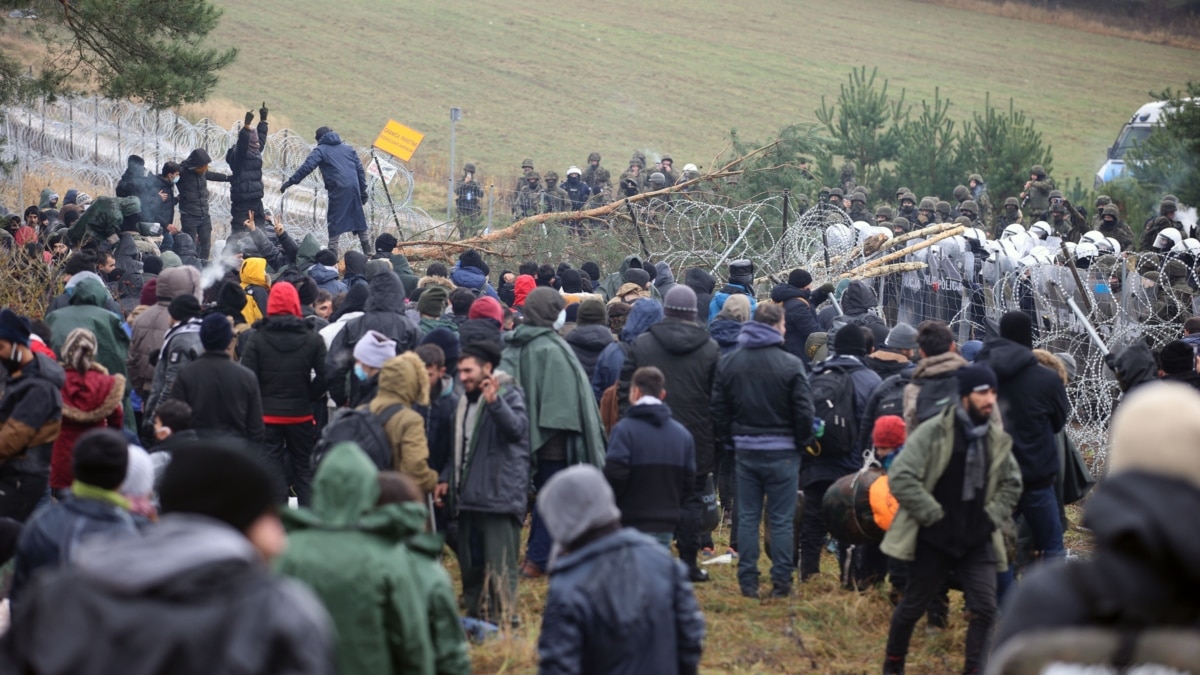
(174, 179)
(561, 320)
(360, 373)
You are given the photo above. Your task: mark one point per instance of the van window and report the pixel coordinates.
(1129, 137)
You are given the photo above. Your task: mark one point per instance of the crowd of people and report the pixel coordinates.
(260, 472)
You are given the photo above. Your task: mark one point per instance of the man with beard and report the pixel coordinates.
(956, 483)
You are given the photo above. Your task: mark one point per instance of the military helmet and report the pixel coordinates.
(802, 198)
(1171, 198)
(658, 177)
(468, 168)
(858, 197)
(1056, 194)
(1110, 210)
(594, 157)
(975, 177)
(1038, 170)
(1103, 200)
(927, 204)
(637, 161)
(962, 193)
(901, 223)
(527, 164)
(909, 196)
(901, 190)
(837, 192)
(969, 205)
(532, 176)
(943, 208)
(690, 168)
(1176, 271)
(1167, 206)
(551, 175)
(885, 211)
(666, 158)
(824, 192)
(1012, 201)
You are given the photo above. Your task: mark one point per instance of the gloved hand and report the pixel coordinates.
(249, 117)
(262, 112)
(828, 288)
(364, 198)
(286, 184)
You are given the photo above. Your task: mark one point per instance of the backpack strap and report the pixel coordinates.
(389, 412)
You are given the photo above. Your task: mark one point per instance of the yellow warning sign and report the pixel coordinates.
(398, 140)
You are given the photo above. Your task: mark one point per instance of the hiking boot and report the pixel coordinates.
(780, 590)
(697, 575)
(531, 570)
(750, 592)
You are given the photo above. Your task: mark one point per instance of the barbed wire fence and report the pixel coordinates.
(85, 141)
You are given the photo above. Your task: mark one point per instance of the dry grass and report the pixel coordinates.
(1185, 34)
(820, 629)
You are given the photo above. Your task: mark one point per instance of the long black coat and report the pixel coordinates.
(688, 357)
(223, 396)
(193, 189)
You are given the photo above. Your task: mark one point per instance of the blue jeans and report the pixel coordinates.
(538, 551)
(773, 477)
(1040, 508)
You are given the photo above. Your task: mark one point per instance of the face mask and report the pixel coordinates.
(360, 373)
(562, 319)
(175, 180)
(13, 362)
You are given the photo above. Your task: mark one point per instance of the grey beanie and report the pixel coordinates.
(374, 348)
(902, 336)
(575, 501)
(680, 303)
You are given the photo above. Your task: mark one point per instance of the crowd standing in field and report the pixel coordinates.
(615, 414)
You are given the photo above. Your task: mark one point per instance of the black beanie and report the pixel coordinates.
(471, 258)
(592, 269)
(572, 282)
(101, 459)
(384, 243)
(850, 341)
(1177, 357)
(1018, 327)
(325, 257)
(184, 307)
(216, 333)
(307, 289)
(799, 279)
(221, 483)
(152, 264)
(638, 276)
(482, 350)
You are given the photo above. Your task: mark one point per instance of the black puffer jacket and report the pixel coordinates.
(245, 164)
(761, 389)
(384, 312)
(193, 187)
(800, 317)
(703, 284)
(688, 357)
(1033, 403)
(587, 342)
(283, 353)
(1145, 571)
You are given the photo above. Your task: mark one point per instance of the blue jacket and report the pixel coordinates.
(472, 278)
(620, 605)
(719, 298)
(725, 333)
(54, 531)
(345, 181)
(651, 466)
(645, 313)
(327, 279)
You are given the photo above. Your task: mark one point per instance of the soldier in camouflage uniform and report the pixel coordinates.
(858, 208)
(847, 177)
(1165, 218)
(1009, 215)
(526, 203)
(468, 194)
(1111, 225)
(980, 196)
(633, 180)
(942, 209)
(599, 180)
(519, 184)
(927, 213)
(800, 201)
(961, 194)
(970, 211)
(837, 198)
(1101, 202)
(1037, 191)
(884, 215)
(667, 169)
(552, 198)
(1176, 293)
(908, 207)
(1076, 223)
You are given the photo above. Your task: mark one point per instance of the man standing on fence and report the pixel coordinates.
(193, 198)
(346, 183)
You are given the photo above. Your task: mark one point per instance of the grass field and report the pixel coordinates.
(555, 82)
(820, 629)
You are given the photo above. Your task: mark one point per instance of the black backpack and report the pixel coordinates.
(833, 402)
(361, 426)
(935, 395)
(891, 396)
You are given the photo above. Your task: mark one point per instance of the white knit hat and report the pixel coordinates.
(1157, 430)
(374, 348)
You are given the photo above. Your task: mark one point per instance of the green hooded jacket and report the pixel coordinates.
(558, 394)
(306, 254)
(916, 471)
(390, 601)
(87, 310)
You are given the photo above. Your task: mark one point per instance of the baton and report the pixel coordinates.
(1087, 325)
